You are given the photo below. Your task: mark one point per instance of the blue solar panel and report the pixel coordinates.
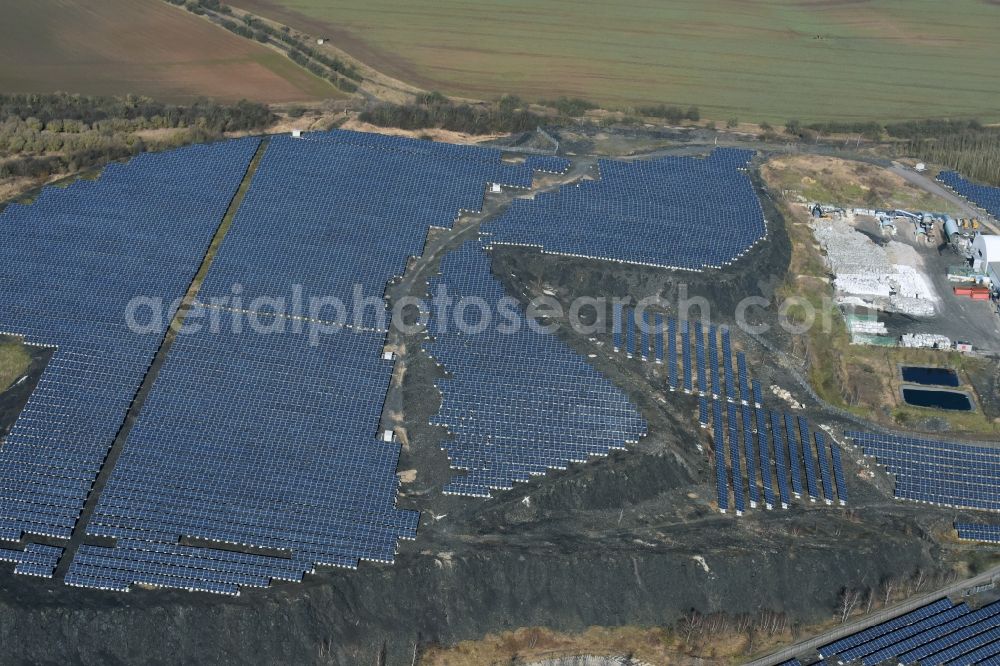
(808, 457)
(824, 465)
(758, 395)
(713, 361)
(686, 354)
(750, 453)
(699, 342)
(518, 404)
(727, 363)
(794, 456)
(764, 446)
(741, 362)
(630, 332)
(690, 213)
(73, 262)
(644, 338)
(734, 459)
(720, 457)
(658, 337)
(672, 352)
(703, 410)
(780, 459)
(838, 473)
(617, 324)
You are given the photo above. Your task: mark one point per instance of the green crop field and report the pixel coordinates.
(144, 47)
(760, 60)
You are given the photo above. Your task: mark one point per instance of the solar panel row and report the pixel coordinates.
(937, 472)
(984, 196)
(35, 560)
(73, 264)
(691, 213)
(763, 468)
(977, 532)
(520, 403)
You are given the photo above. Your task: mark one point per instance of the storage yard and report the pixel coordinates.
(377, 470)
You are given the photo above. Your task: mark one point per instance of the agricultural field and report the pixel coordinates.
(143, 47)
(775, 60)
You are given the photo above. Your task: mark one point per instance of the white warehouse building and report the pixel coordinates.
(986, 257)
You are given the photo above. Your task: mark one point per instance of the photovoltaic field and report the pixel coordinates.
(774, 60)
(256, 456)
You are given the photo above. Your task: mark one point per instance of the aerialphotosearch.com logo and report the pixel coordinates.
(315, 316)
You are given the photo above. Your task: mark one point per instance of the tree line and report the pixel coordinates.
(45, 135)
(341, 74)
(434, 110)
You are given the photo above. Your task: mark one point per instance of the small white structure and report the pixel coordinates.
(985, 251)
(387, 436)
(495, 188)
(321, 41)
(920, 167)
(388, 356)
(296, 134)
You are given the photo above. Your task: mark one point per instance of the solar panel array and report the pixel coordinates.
(35, 560)
(938, 633)
(978, 532)
(70, 264)
(517, 404)
(255, 439)
(296, 469)
(984, 196)
(339, 214)
(674, 212)
(769, 450)
(946, 473)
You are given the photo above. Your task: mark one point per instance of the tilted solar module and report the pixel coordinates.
(672, 352)
(721, 484)
(838, 473)
(763, 443)
(517, 403)
(734, 457)
(713, 361)
(617, 326)
(794, 454)
(808, 457)
(74, 266)
(824, 465)
(658, 337)
(686, 354)
(750, 453)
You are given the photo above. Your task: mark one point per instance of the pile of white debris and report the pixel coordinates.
(925, 340)
(884, 278)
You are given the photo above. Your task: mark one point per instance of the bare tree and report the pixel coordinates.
(888, 587)
(848, 602)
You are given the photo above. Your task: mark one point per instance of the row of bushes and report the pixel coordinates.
(341, 74)
(433, 110)
(76, 112)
